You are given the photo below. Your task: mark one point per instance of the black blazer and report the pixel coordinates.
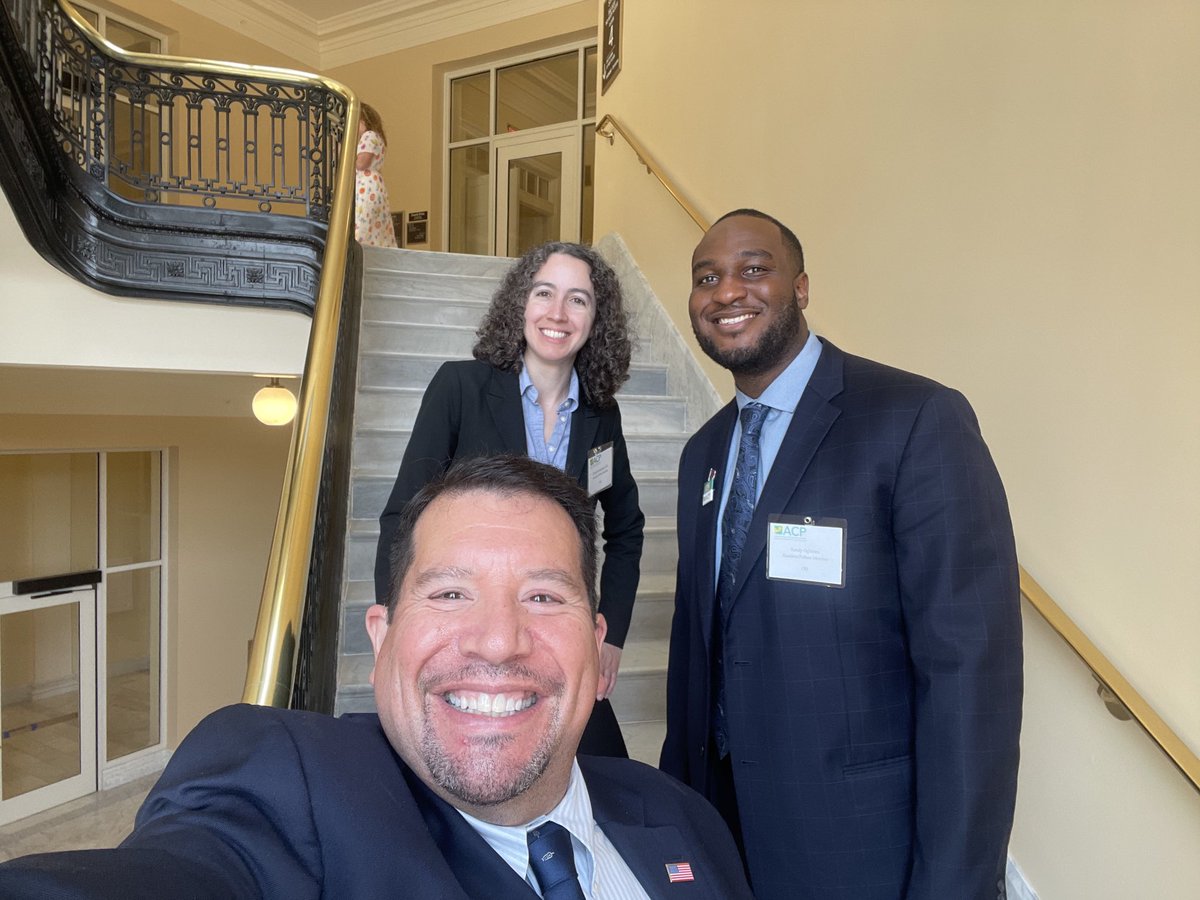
(873, 728)
(473, 409)
(269, 803)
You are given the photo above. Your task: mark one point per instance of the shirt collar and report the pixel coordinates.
(573, 812)
(530, 392)
(784, 392)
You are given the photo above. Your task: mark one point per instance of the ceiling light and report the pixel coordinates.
(274, 405)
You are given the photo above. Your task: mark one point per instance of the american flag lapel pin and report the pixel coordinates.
(679, 871)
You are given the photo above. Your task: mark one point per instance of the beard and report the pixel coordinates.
(480, 774)
(772, 347)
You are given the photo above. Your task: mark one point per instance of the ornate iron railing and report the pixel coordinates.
(160, 129)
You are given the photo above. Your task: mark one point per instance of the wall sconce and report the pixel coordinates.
(274, 404)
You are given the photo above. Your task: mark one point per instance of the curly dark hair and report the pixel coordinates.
(602, 362)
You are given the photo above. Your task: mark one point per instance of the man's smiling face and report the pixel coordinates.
(746, 300)
(486, 675)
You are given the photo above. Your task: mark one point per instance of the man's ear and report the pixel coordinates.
(601, 630)
(800, 286)
(377, 625)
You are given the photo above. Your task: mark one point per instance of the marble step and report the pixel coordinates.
(369, 493)
(378, 451)
(431, 285)
(383, 369)
(396, 407)
(641, 691)
(447, 341)
(659, 549)
(383, 260)
(423, 310)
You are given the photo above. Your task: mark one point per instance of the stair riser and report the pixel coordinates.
(659, 554)
(407, 371)
(381, 452)
(398, 409)
(422, 311)
(426, 339)
(640, 697)
(370, 493)
(379, 261)
(429, 285)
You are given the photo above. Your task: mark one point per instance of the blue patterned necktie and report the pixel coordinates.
(735, 523)
(553, 862)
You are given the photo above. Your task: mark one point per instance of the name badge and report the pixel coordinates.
(807, 550)
(710, 484)
(600, 468)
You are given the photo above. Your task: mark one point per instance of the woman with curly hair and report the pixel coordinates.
(551, 352)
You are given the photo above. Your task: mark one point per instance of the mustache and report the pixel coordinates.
(488, 673)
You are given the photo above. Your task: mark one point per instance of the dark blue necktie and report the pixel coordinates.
(735, 524)
(553, 862)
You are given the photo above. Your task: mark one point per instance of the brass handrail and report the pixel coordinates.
(605, 128)
(276, 643)
(1112, 680)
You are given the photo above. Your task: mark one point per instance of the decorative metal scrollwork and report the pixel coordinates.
(176, 133)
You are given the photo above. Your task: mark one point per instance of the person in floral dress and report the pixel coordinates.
(372, 213)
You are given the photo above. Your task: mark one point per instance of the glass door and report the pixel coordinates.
(537, 191)
(47, 692)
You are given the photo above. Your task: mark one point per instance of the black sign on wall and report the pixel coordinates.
(417, 228)
(610, 57)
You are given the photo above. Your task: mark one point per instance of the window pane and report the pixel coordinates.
(541, 92)
(534, 201)
(589, 82)
(132, 39)
(39, 706)
(134, 499)
(133, 660)
(470, 182)
(50, 515)
(469, 107)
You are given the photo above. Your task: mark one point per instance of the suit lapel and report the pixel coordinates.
(646, 849)
(812, 420)
(585, 422)
(503, 401)
(479, 870)
(713, 457)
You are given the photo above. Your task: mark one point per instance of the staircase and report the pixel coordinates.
(420, 309)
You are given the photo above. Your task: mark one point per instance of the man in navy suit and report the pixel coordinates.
(467, 784)
(845, 671)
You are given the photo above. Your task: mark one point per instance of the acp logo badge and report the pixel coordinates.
(789, 530)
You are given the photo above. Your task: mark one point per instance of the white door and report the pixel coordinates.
(537, 190)
(47, 692)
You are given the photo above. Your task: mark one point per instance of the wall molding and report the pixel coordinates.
(373, 30)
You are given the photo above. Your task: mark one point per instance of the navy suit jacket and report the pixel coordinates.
(269, 803)
(473, 409)
(873, 728)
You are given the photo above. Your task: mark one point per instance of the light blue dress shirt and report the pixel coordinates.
(554, 451)
(781, 397)
(603, 874)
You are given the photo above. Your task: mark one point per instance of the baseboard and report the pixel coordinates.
(1018, 887)
(133, 767)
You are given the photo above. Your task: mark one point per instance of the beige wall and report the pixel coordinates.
(225, 478)
(1003, 197)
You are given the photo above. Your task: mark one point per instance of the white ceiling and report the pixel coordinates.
(324, 35)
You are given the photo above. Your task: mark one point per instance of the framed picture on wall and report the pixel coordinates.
(398, 227)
